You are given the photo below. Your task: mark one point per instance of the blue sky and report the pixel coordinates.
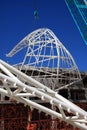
(17, 20)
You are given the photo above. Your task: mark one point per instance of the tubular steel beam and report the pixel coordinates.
(17, 80)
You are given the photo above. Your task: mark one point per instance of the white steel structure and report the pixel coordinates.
(20, 87)
(47, 58)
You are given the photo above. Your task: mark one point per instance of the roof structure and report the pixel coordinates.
(47, 58)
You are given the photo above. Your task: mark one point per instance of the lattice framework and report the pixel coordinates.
(47, 60)
(25, 86)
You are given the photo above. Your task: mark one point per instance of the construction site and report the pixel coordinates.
(46, 91)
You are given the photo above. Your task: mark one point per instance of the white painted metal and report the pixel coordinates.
(47, 58)
(25, 86)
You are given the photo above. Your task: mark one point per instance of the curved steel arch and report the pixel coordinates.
(48, 59)
(25, 42)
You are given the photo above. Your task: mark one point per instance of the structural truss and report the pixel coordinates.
(78, 9)
(47, 59)
(20, 87)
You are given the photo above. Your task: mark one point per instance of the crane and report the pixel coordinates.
(35, 9)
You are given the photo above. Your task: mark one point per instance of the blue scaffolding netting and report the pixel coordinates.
(78, 10)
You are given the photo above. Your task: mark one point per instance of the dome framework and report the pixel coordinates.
(47, 60)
